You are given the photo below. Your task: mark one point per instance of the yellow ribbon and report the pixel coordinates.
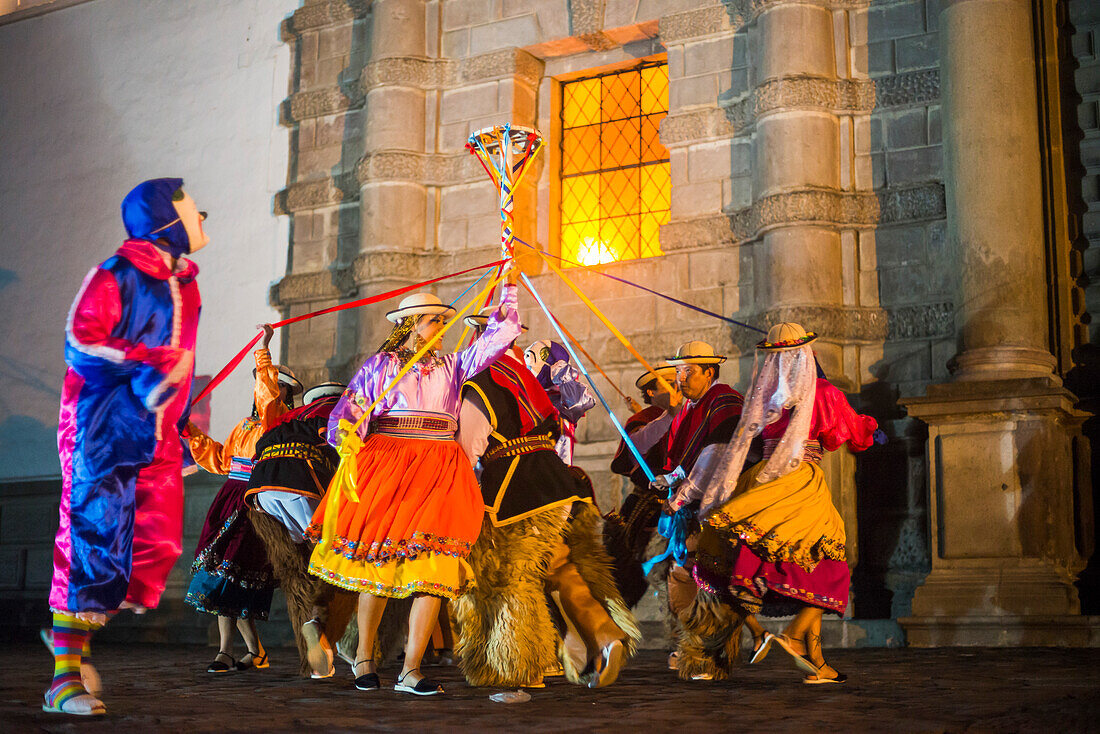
(343, 481)
(599, 314)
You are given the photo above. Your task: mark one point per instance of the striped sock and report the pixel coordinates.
(70, 636)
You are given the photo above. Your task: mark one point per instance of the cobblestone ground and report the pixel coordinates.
(152, 689)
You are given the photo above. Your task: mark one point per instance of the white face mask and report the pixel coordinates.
(191, 218)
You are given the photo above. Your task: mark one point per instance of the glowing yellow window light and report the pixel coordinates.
(615, 182)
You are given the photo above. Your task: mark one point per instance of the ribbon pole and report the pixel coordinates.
(618, 426)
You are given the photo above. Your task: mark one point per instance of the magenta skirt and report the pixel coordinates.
(771, 588)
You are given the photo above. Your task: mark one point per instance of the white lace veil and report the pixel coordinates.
(784, 379)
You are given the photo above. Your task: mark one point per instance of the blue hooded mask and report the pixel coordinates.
(148, 214)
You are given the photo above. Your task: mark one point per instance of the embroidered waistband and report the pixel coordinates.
(811, 450)
(432, 427)
(292, 450)
(517, 447)
(240, 468)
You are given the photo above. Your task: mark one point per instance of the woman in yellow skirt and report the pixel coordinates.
(419, 507)
(772, 540)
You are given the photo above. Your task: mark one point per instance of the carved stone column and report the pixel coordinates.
(1004, 437)
(394, 202)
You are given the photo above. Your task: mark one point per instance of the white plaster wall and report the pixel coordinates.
(94, 99)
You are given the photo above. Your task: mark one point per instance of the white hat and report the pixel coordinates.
(662, 368)
(785, 336)
(481, 318)
(323, 390)
(417, 304)
(696, 352)
(286, 377)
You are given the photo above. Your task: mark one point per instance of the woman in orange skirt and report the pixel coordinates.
(418, 508)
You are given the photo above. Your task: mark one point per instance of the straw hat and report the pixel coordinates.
(664, 369)
(417, 304)
(323, 390)
(696, 352)
(784, 336)
(286, 377)
(481, 318)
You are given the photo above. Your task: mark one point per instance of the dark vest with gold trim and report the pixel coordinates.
(521, 474)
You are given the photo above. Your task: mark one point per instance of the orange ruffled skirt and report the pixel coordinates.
(419, 512)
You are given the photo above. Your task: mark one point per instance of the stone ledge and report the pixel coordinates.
(430, 169)
(1002, 631)
(923, 321)
(911, 87)
(691, 24)
(306, 105)
(748, 10)
(842, 96)
(428, 73)
(827, 207)
(836, 324)
(840, 208)
(314, 15)
(316, 194)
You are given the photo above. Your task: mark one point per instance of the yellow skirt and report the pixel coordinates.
(791, 518)
(429, 573)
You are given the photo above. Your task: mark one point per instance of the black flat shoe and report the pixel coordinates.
(219, 667)
(367, 681)
(818, 680)
(423, 687)
(256, 661)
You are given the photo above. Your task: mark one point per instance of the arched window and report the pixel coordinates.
(615, 183)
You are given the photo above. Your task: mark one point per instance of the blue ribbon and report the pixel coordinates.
(463, 293)
(622, 431)
(675, 528)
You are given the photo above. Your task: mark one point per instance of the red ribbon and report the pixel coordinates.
(232, 365)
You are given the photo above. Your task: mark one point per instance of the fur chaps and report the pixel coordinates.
(507, 634)
(302, 591)
(710, 637)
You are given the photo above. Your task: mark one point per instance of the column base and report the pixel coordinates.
(1067, 630)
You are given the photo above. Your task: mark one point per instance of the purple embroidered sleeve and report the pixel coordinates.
(357, 397)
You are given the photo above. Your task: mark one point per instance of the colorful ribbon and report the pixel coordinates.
(232, 364)
(676, 528)
(618, 426)
(599, 314)
(587, 356)
(677, 301)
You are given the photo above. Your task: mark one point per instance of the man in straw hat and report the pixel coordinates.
(628, 531)
(539, 540)
(693, 430)
(772, 541)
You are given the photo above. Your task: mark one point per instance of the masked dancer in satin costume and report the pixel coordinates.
(549, 362)
(231, 575)
(540, 535)
(772, 540)
(294, 465)
(130, 348)
(419, 508)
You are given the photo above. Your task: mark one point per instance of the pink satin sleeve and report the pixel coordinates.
(835, 423)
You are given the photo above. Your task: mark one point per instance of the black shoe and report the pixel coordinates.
(219, 667)
(423, 687)
(256, 661)
(367, 681)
